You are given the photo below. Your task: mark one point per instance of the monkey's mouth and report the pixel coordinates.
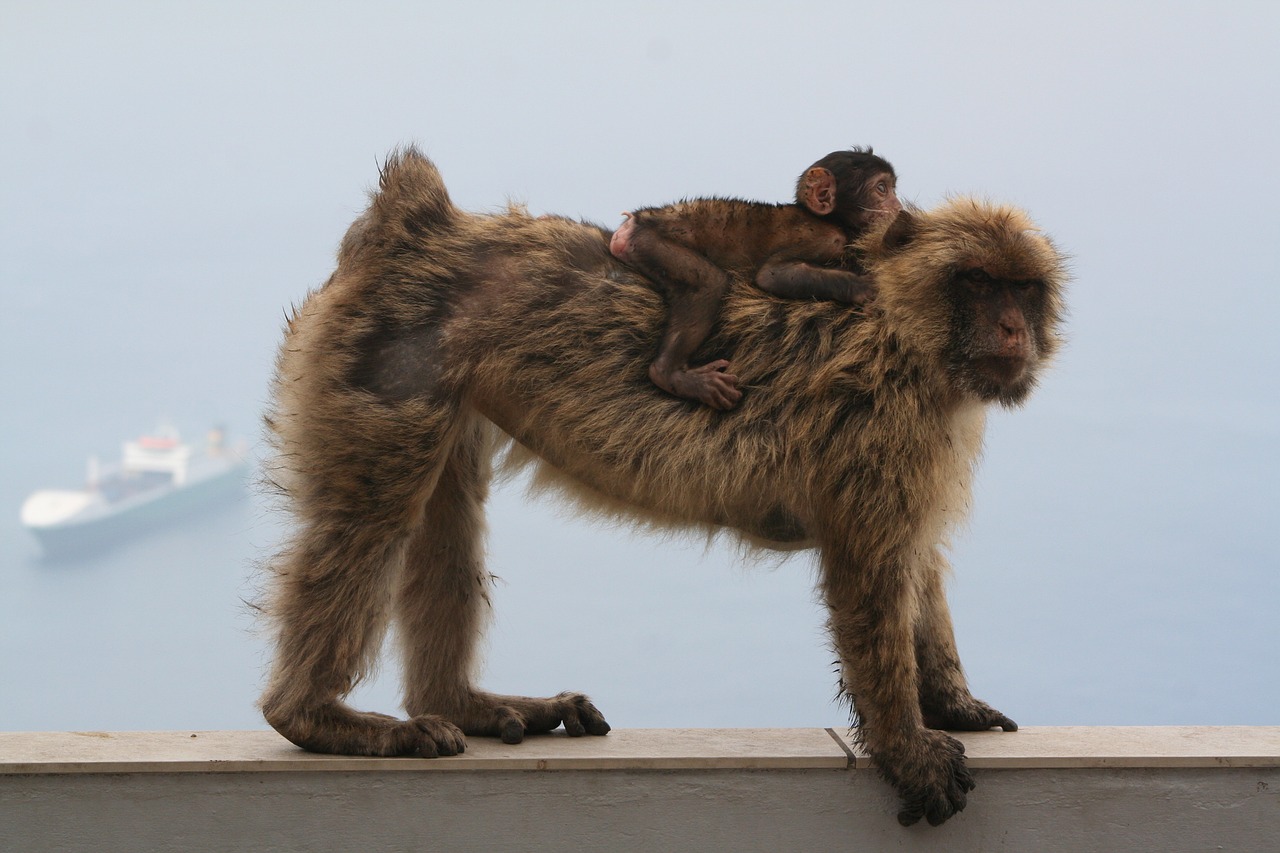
(1004, 370)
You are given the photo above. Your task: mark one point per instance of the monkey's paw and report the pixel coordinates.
(430, 737)
(711, 384)
(512, 717)
(931, 777)
(338, 730)
(969, 715)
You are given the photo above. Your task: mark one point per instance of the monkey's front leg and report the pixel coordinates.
(800, 280)
(945, 700)
(873, 617)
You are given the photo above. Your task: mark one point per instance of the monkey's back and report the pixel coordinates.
(739, 235)
(533, 325)
(560, 361)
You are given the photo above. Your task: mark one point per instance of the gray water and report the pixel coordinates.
(1074, 603)
(158, 632)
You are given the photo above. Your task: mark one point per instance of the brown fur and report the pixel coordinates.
(693, 250)
(859, 438)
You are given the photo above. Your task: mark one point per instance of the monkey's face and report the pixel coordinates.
(996, 333)
(877, 198)
(863, 202)
(977, 287)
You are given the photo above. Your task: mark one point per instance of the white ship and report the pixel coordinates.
(158, 477)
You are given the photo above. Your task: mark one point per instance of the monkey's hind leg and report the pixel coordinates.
(694, 288)
(442, 605)
(356, 506)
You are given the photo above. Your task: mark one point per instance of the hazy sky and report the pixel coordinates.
(175, 174)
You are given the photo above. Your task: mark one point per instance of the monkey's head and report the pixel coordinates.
(976, 287)
(855, 188)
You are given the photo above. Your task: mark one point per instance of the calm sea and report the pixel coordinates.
(1112, 574)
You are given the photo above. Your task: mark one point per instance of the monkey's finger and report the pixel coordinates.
(726, 402)
(942, 808)
(581, 717)
(573, 726)
(994, 719)
(952, 803)
(434, 749)
(509, 724)
(911, 812)
(719, 401)
(435, 738)
(962, 784)
(733, 395)
(568, 712)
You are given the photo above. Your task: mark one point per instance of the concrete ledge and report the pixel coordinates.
(1068, 789)
(639, 749)
(259, 751)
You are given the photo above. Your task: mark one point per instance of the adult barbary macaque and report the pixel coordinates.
(692, 249)
(443, 336)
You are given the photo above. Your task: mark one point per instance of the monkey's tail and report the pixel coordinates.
(412, 192)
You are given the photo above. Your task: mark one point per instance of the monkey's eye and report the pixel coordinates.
(977, 281)
(882, 188)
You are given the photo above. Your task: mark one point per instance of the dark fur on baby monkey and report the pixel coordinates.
(446, 338)
(693, 248)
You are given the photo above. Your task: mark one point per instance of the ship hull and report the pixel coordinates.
(78, 537)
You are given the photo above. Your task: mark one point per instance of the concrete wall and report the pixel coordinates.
(647, 790)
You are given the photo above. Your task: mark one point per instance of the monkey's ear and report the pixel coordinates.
(901, 231)
(818, 191)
